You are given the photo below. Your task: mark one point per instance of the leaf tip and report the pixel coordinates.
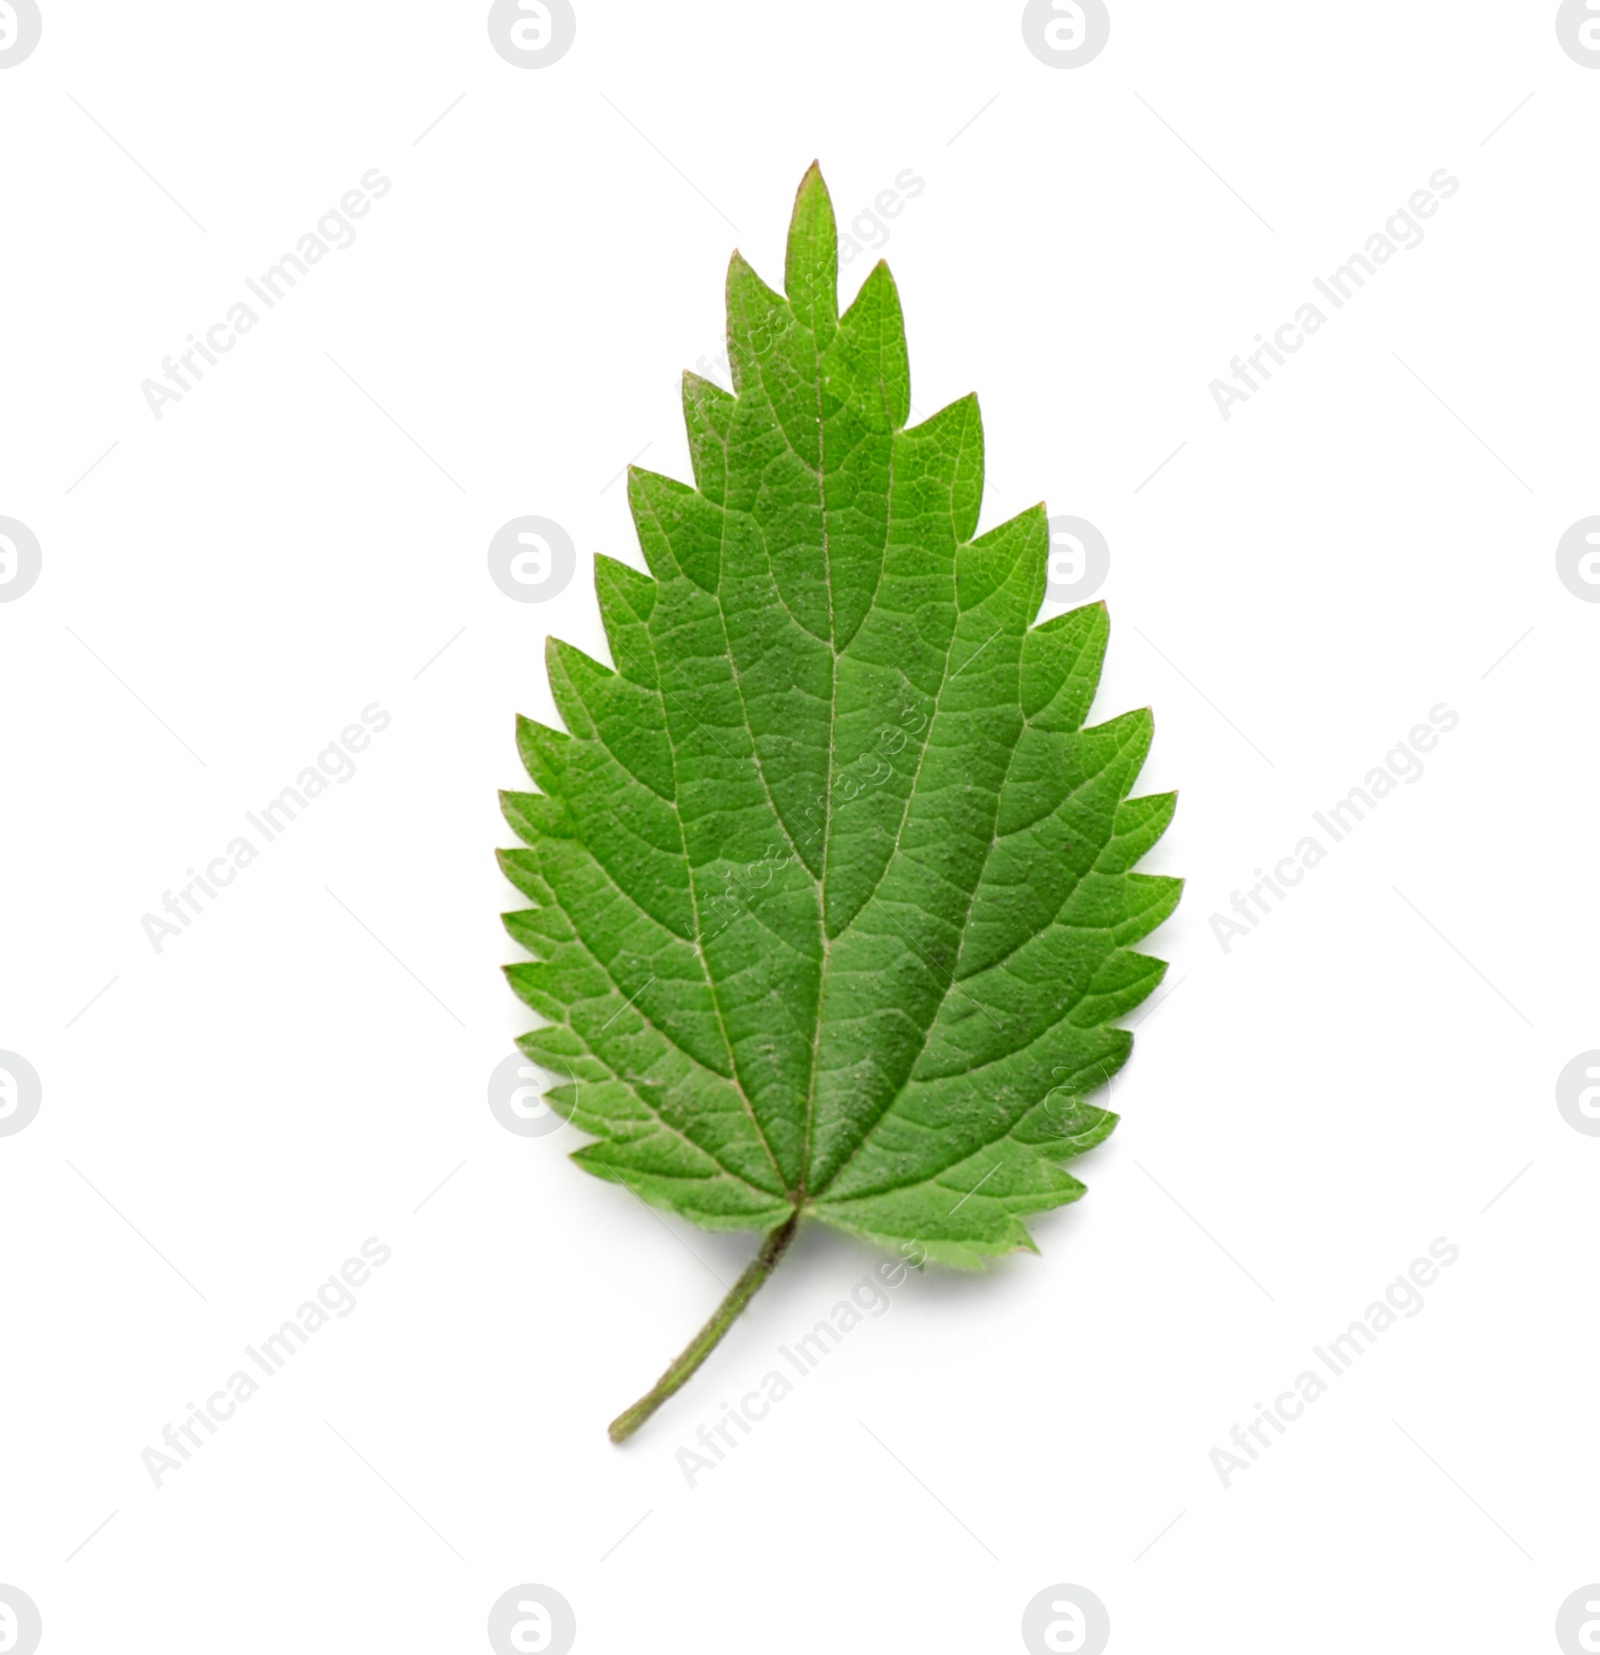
(811, 265)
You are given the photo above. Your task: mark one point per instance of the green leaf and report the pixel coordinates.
(834, 901)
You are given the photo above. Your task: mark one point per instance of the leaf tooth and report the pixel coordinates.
(543, 752)
(1061, 661)
(1064, 1124)
(1125, 980)
(758, 317)
(570, 671)
(523, 929)
(535, 816)
(873, 333)
(605, 713)
(708, 416)
(531, 982)
(1018, 547)
(1130, 735)
(680, 531)
(521, 867)
(627, 600)
(1151, 897)
(1138, 824)
(954, 435)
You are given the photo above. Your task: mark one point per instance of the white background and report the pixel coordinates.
(231, 584)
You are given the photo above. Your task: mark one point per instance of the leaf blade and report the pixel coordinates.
(835, 889)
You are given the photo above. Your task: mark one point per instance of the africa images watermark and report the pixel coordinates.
(869, 1298)
(1402, 1297)
(334, 1298)
(1402, 763)
(334, 233)
(335, 763)
(1401, 232)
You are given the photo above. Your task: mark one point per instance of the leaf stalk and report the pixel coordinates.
(709, 1337)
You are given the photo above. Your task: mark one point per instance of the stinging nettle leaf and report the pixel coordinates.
(834, 899)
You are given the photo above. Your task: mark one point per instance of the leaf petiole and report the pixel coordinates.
(710, 1336)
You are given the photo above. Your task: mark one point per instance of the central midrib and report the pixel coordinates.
(827, 825)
